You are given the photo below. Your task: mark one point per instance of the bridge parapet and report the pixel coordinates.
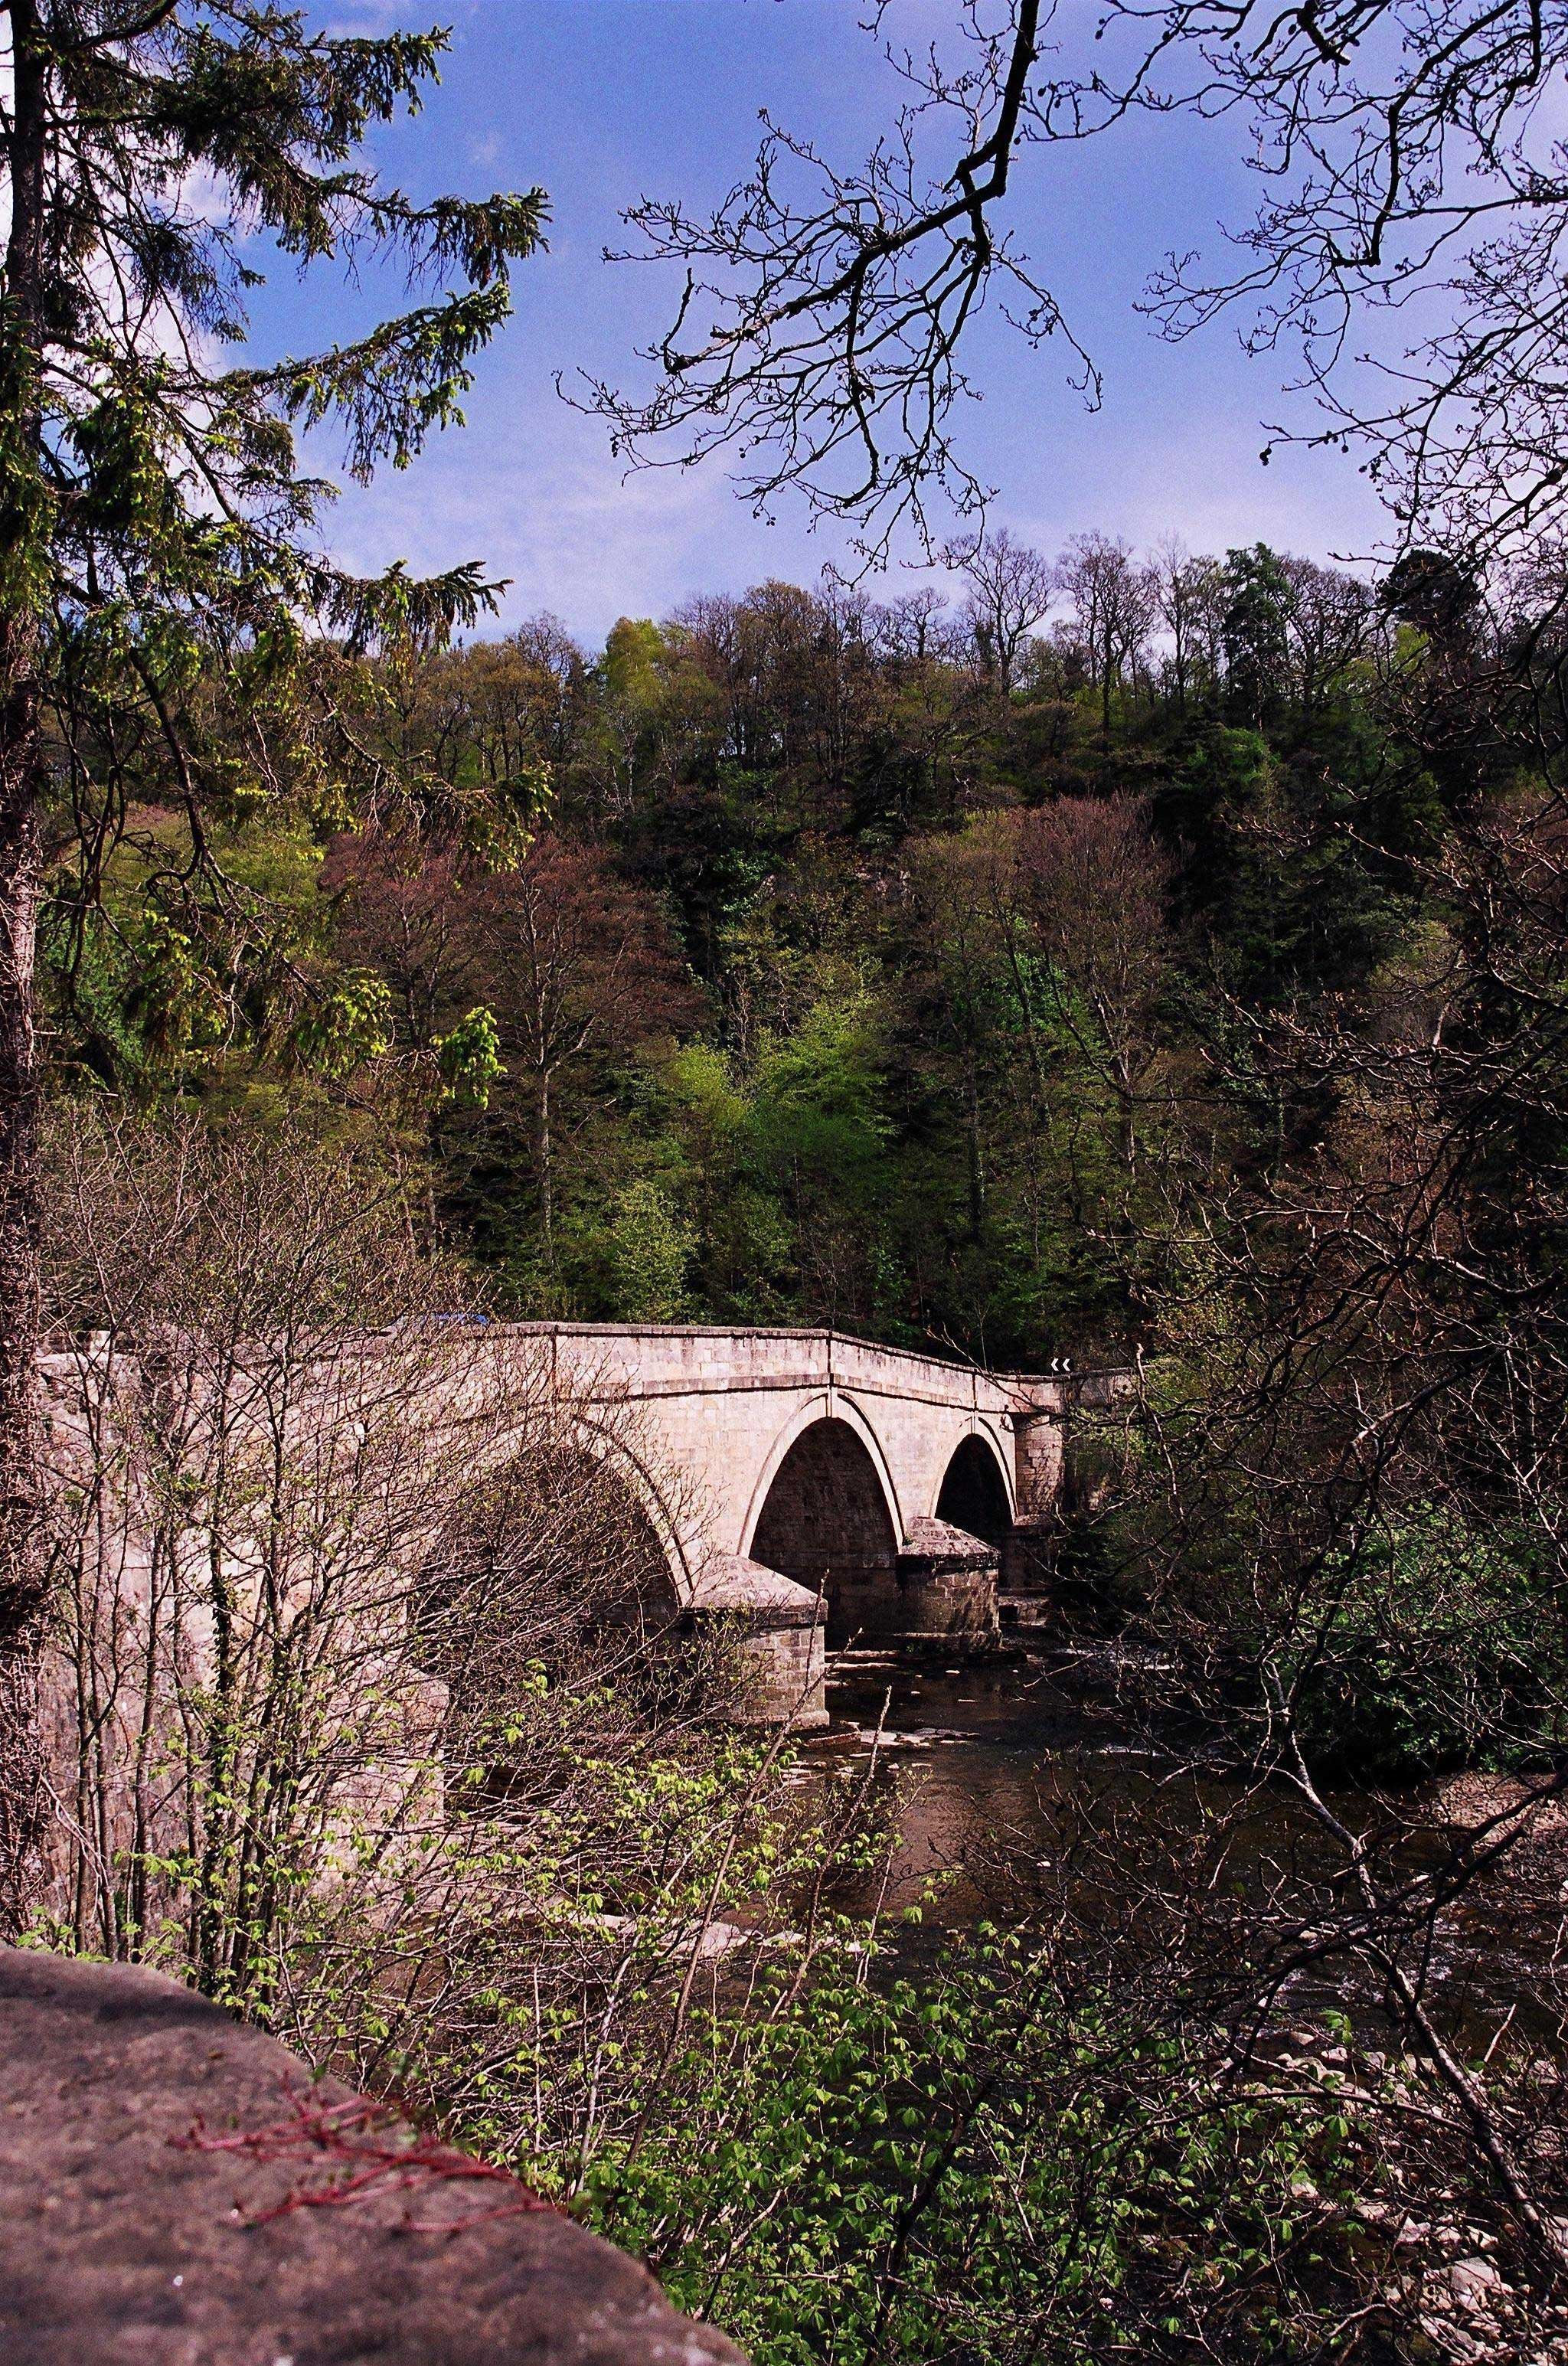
(646, 1360)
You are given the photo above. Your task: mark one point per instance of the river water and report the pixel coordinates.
(983, 1766)
(980, 1755)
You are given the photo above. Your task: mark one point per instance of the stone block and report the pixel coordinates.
(143, 2224)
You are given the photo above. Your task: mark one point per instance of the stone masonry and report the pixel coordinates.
(175, 2190)
(810, 1486)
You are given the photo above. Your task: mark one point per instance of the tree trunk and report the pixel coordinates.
(21, 1556)
(545, 1154)
(21, 1553)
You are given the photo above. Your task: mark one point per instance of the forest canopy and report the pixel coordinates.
(901, 964)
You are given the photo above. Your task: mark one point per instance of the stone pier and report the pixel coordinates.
(780, 1629)
(948, 1580)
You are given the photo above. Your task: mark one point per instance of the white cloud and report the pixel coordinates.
(552, 513)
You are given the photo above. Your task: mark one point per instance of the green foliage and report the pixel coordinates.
(743, 1234)
(1276, 865)
(348, 1023)
(818, 1124)
(851, 987)
(1254, 626)
(1430, 1646)
(650, 1254)
(28, 503)
(877, 2167)
(196, 653)
(171, 999)
(631, 664)
(468, 1057)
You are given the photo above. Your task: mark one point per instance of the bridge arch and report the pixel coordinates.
(552, 1546)
(828, 1518)
(826, 1405)
(610, 1446)
(975, 1494)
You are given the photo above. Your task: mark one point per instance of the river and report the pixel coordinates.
(980, 1755)
(977, 1762)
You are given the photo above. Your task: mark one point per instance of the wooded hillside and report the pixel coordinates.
(905, 963)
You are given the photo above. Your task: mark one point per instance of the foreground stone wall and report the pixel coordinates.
(166, 2198)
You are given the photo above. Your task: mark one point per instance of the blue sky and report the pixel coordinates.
(602, 101)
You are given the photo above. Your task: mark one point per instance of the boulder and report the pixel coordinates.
(176, 2190)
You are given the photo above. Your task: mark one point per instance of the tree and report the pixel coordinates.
(1411, 177)
(157, 553)
(402, 908)
(1040, 964)
(1099, 888)
(1189, 591)
(487, 714)
(1116, 601)
(823, 310)
(1010, 590)
(569, 962)
(1333, 618)
(574, 963)
(1254, 633)
(819, 1142)
(1358, 1429)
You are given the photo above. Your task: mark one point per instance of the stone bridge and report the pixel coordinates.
(815, 1487)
